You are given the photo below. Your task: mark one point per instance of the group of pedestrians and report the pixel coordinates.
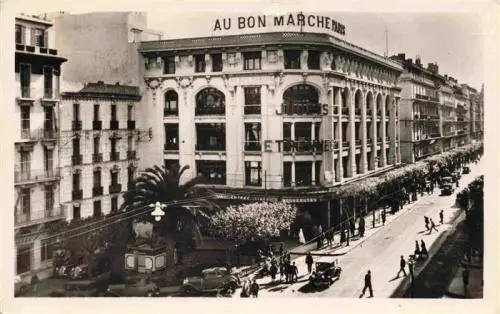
(250, 288)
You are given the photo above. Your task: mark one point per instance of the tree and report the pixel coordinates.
(159, 184)
(254, 222)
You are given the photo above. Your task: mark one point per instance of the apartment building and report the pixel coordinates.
(99, 142)
(37, 173)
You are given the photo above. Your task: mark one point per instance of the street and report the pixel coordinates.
(381, 252)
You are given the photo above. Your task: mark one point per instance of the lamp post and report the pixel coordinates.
(411, 263)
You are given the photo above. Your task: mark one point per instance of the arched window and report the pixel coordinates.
(210, 101)
(171, 104)
(301, 99)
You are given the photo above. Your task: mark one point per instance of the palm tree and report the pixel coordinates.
(159, 184)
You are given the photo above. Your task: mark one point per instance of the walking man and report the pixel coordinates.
(441, 216)
(426, 219)
(368, 285)
(433, 226)
(423, 249)
(383, 217)
(352, 226)
(309, 262)
(361, 226)
(402, 264)
(295, 273)
(417, 250)
(254, 289)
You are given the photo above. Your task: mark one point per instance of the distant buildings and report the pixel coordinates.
(37, 174)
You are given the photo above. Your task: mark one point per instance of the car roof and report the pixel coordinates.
(214, 269)
(326, 259)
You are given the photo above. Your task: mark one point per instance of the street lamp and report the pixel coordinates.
(411, 263)
(158, 212)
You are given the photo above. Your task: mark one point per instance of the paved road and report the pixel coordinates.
(381, 252)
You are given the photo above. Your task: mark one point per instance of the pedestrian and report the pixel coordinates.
(309, 262)
(342, 236)
(402, 265)
(426, 219)
(282, 268)
(417, 250)
(288, 271)
(245, 289)
(273, 270)
(361, 226)
(441, 216)
(254, 289)
(295, 272)
(352, 227)
(423, 249)
(433, 226)
(383, 217)
(282, 250)
(329, 237)
(368, 285)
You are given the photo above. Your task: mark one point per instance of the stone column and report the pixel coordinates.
(351, 135)
(364, 162)
(398, 132)
(293, 173)
(392, 131)
(338, 103)
(384, 135)
(373, 108)
(313, 172)
(37, 254)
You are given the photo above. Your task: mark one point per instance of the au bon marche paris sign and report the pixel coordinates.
(311, 21)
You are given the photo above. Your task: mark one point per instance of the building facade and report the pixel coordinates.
(37, 172)
(434, 111)
(272, 111)
(99, 143)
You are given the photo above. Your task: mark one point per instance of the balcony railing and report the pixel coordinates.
(96, 125)
(434, 117)
(115, 188)
(97, 191)
(76, 125)
(33, 49)
(357, 142)
(251, 109)
(208, 147)
(97, 158)
(77, 194)
(76, 160)
(252, 146)
(114, 156)
(368, 140)
(170, 112)
(387, 139)
(48, 93)
(114, 124)
(26, 92)
(131, 154)
(36, 175)
(23, 220)
(130, 124)
(210, 111)
(345, 144)
(420, 96)
(26, 134)
(379, 140)
(171, 146)
(345, 111)
(301, 109)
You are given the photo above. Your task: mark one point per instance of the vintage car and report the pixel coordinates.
(327, 270)
(211, 280)
(456, 175)
(134, 288)
(465, 170)
(447, 189)
(444, 181)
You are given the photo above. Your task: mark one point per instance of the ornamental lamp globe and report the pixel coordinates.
(158, 212)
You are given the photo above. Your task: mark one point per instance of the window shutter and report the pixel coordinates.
(33, 37)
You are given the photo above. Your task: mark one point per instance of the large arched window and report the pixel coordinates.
(210, 101)
(171, 107)
(301, 99)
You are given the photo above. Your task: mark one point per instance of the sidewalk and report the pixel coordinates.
(474, 290)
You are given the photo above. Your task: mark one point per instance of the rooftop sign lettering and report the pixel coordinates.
(309, 21)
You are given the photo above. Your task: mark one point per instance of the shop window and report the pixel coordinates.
(213, 171)
(253, 173)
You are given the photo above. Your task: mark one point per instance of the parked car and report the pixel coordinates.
(326, 272)
(211, 280)
(444, 181)
(134, 288)
(447, 189)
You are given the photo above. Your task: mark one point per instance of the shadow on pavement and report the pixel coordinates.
(309, 288)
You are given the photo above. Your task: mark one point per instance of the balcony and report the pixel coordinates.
(114, 156)
(97, 191)
(114, 124)
(171, 146)
(252, 146)
(42, 216)
(170, 112)
(251, 109)
(130, 124)
(27, 92)
(115, 188)
(76, 160)
(76, 125)
(33, 176)
(77, 194)
(96, 125)
(97, 158)
(219, 111)
(131, 154)
(33, 49)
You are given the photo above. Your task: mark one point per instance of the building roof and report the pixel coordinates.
(101, 89)
(262, 39)
(34, 19)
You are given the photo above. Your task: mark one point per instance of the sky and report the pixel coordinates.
(454, 40)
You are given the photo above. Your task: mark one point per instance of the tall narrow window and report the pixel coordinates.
(76, 112)
(25, 122)
(97, 177)
(252, 100)
(313, 60)
(169, 65)
(76, 181)
(113, 112)
(97, 142)
(114, 203)
(130, 176)
(46, 250)
(252, 60)
(199, 63)
(129, 113)
(76, 146)
(20, 34)
(76, 212)
(38, 37)
(25, 77)
(130, 143)
(97, 209)
(217, 62)
(48, 81)
(48, 123)
(26, 200)
(171, 100)
(97, 108)
(49, 161)
(114, 177)
(25, 163)
(49, 198)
